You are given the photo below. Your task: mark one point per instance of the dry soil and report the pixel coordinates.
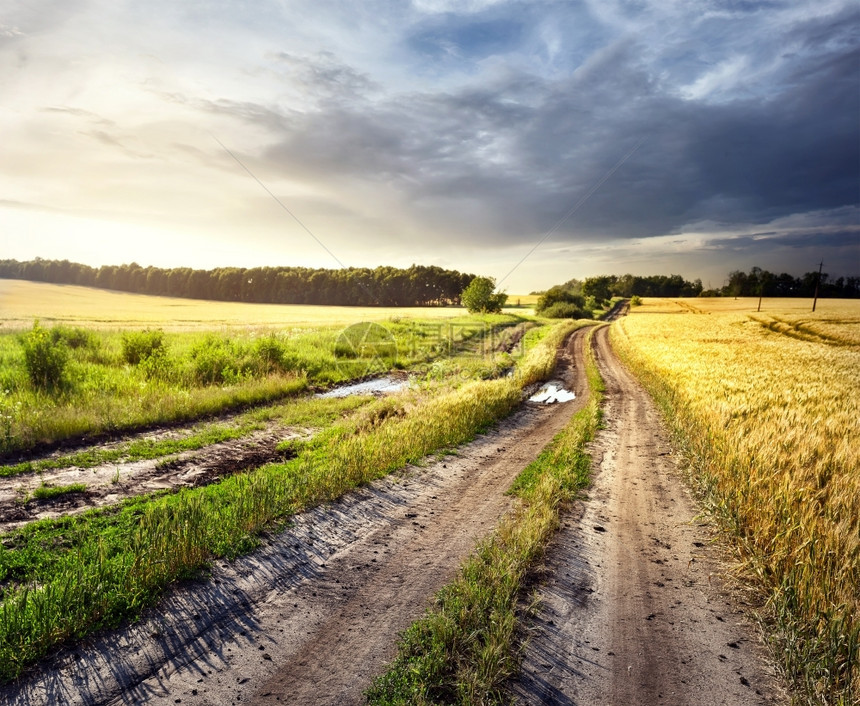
(633, 607)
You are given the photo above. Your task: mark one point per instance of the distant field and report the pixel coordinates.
(826, 308)
(21, 302)
(522, 300)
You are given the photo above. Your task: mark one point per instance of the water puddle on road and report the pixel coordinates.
(552, 393)
(378, 386)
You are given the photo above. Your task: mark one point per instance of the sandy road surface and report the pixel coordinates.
(313, 615)
(633, 610)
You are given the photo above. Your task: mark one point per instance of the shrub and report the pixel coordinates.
(478, 297)
(559, 295)
(74, 337)
(138, 346)
(636, 300)
(270, 353)
(45, 359)
(565, 310)
(214, 360)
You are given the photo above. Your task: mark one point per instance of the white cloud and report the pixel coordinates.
(719, 81)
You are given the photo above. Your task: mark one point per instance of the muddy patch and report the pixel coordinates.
(112, 482)
(385, 385)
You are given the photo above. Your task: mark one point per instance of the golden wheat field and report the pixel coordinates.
(21, 302)
(768, 402)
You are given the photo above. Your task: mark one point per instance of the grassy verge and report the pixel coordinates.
(62, 579)
(312, 412)
(462, 651)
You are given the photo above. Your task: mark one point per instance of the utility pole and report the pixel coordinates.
(817, 282)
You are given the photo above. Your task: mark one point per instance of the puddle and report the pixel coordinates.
(552, 393)
(378, 386)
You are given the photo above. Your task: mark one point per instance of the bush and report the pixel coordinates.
(76, 337)
(138, 346)
(636, 300)
(214, 360)
(271, 355)
(45, 359)
(565, 310)
(478, 297)
(559, 295)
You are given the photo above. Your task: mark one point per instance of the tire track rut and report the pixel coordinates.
(632, 607)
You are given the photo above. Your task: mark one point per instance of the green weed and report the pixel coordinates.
(48, 492)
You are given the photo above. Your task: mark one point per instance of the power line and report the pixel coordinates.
(574, 208)
(279, 202)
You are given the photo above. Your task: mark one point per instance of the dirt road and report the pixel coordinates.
(313, 615)
(633, 610)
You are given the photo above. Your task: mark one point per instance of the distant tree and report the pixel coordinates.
(478, 297)
(598, 287)
(560, 294)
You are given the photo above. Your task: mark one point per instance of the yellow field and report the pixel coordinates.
(21, 302)
(769, 404)
(522, 300)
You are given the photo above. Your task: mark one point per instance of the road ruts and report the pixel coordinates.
(315, 613)
(633, 610)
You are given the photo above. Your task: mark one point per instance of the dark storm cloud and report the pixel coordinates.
(795, 152)
(767, 241)
(529, 145)
(505, 157)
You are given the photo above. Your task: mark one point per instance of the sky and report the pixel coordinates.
(530, 141)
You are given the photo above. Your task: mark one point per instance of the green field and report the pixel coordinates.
(78, 362)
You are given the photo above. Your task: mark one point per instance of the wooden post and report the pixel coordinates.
(817, 282)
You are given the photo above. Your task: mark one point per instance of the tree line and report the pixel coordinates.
(759, 282)
(605, 287)
(756, 282)
(353, 286)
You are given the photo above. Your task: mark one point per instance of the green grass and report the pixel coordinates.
(114, 381)
(463, 650)
(48, 492)
(63, 579)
